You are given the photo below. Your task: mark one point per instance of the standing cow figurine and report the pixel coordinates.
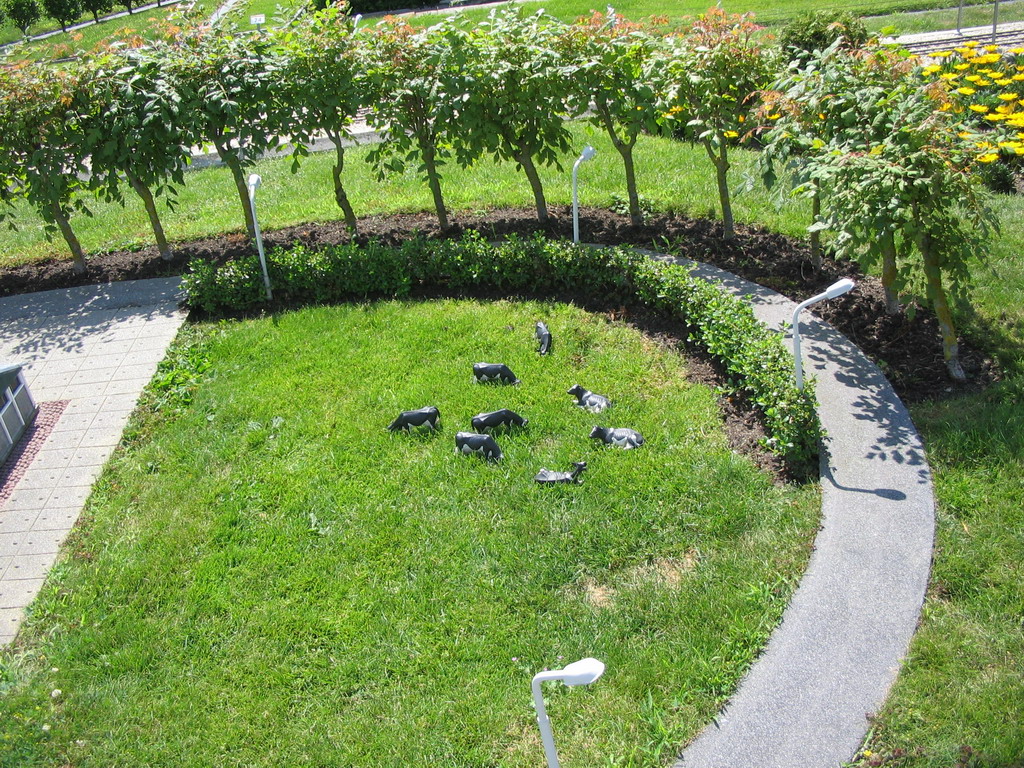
(470, 442)
(624, 438)
(483, 422)
(543, 338)
(497, 372)
(550, 476)
(588, 400)
(420, 417)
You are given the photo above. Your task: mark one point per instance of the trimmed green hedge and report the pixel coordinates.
(754, 357)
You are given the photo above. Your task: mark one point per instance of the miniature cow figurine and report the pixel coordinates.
(544, 338)
(421, 416)
(624, 438)
(588, 400)
(550, 476)
(483, 422)
(471, 442)
(498, 372)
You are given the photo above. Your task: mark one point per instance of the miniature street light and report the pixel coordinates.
(582, 672)
(254, 184)
(836, 289)
(588, 152)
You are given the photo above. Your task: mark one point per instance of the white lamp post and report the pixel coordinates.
(588, 152)
(837, 288)
(582, 672)
(254, 184)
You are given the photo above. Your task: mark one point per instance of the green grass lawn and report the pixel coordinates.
(945, 18)
(87, 37)
(271, 578)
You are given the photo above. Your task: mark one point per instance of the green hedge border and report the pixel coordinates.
(755, 359)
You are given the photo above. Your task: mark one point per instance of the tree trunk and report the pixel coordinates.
(95, 17)
(937, 294)
(434, 180)
(721, 162)
(816, 234)
(69, 237)
(230, 158)
(530, 169)
(626, 150)
(154, 218)
(340, 196)
(889, 274)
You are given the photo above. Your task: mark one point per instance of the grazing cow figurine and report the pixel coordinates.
(544, 337)
(498, 372)
(421, 416)
(550, 476)
(588, 400)
(503, 418)
(471, 442)
(624, 438)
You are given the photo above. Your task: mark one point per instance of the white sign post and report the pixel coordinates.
(257, 19)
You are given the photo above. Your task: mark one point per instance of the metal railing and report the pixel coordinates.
(960, 18)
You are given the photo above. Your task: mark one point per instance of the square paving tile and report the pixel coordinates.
(27, 498)
(17, 593)
(18, 521)
(10, 620)
(70, 438)
(57, 519)
(29, 566)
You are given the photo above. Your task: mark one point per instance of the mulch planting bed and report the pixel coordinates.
(908, 346)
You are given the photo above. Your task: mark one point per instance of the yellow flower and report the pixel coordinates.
(1010, 144)
(965, 135)
(995, 117)
(965, 91)
(1003, 81)
(988, 58)
(979, 108)
(1020, 134)
(985, 145)
(1018, 77)
(991, 157)
(1009, 96)
(983, 82)
(742, 119)
(946, 106)
(1004, 109)
(991, 48)
(942, 54)
(931, 69)
(775, 116)
(949, 75)
(730, 134)
(972, 44)
(961, 67)
(973, 78)
(1017, 50)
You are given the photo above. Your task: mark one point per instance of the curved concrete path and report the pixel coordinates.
(88, 350)
(830, 664)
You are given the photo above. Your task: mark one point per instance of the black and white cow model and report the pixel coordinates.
(543, 338)
(550, 476)
(471, 442)
(483, 422)
(420, 417)
(624, 438)
(588, 400)
(498, 372)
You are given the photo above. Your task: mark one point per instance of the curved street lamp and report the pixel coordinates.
(588, 152)
(254, 184)
(582, 672)
(837, 288)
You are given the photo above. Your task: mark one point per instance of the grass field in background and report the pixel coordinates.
(272, 578)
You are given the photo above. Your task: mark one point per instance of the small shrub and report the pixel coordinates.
(816, 31)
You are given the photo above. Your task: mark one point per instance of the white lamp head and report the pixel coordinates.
(588, 153)
(254, 182)
(838, 288)
(582, 672)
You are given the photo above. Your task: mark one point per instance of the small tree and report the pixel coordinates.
(24, 13)
(608, 62)
(63, 11)
(323, 74)
(42, 147)
(516, 104)
(415, 86)
(713, 78)
(228, 85)
(133, 125)
(96, 7)
(898, 179)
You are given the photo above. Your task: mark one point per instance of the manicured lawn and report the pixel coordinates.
(269, 577)
(973, 16)
(86, 38)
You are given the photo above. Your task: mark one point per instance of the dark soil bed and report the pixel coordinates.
(907, 346)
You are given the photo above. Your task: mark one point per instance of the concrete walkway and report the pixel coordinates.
(830, 664)
(87, 352)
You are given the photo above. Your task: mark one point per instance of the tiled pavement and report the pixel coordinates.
(95, 347)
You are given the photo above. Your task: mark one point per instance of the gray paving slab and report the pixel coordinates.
(95, 347)
(805, 702)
